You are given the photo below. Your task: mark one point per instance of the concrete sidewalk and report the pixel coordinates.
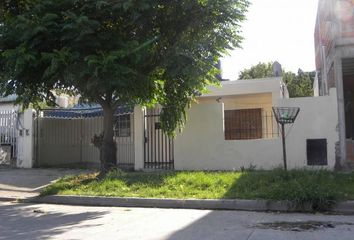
(42, 221)
(26, 183)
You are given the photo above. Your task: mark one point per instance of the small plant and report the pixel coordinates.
(250, 168)
(316, 192)
(115, 174)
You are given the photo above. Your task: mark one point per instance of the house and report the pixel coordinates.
(231, 127)
(334, 44)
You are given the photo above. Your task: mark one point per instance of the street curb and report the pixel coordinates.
(8, 199)
(221, 204)
(346, 207)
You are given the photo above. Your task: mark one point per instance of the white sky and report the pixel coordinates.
(276, 30)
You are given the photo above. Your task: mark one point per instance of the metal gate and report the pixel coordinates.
(158, 147)
(64, 137)
(8, 136)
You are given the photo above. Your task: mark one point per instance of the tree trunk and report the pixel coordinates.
(108, 149)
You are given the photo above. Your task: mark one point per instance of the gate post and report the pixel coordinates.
(25, 140)
(138, 138)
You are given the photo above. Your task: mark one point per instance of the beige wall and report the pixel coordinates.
(201, 145)
(249, 101)
(245, 101)
(252, 86)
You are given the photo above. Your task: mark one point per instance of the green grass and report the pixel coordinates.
(319, 188)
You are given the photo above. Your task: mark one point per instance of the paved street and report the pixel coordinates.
(28, 221)
(23, 183)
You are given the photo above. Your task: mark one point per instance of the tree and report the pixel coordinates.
(261, 70)
(299, 85)
(115, 52)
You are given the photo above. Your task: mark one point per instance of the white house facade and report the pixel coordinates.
(232, 127)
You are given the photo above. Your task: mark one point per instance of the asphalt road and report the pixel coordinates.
(31, 221)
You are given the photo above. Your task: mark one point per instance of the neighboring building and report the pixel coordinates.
(62, 100)
(65, 101)
(334, 47)
(8, 103)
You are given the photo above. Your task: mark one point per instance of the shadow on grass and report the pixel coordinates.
(154, 180)
(317, 190)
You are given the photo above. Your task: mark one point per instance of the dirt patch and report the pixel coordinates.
(300, 226)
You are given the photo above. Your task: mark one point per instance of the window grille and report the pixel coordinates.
(246, 124)
(122, 126)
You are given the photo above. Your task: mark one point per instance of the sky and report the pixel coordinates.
(275, 30)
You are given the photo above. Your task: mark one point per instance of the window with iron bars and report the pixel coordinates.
(122, 126)
(244, 124)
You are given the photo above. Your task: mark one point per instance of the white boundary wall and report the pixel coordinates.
(201, 145)
(318, 119)
(25, 140)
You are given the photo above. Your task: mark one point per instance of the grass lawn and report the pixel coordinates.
(320, 188)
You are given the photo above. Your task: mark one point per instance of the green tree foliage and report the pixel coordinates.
(261, 70)
(299, 85)
(115, 52)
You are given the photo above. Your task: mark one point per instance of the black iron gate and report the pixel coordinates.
(158, 147)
